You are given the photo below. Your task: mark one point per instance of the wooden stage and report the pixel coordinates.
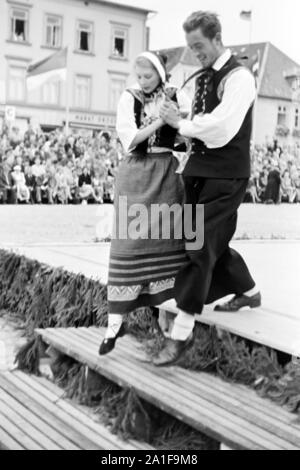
(275, 266)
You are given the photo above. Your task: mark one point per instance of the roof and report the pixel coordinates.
(122, 6)
(274, 66)
(274, 83)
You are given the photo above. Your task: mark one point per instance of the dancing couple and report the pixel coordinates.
(151, 117)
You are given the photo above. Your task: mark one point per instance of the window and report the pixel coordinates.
(120, 42)
(117, 86)
(50, 92)
(281, 117)
(85, 32)
(19, 25)
(82, 91)
(17, 84)
(53, 31)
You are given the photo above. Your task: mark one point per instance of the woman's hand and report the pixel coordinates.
(169, 112)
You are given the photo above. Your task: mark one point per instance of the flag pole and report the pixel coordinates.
(68, 88)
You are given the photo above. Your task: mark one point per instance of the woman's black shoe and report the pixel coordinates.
(108, 344)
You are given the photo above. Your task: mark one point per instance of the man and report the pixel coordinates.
(216, 176)
(7, 191)
(39, 172)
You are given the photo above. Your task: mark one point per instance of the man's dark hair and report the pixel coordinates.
(206, 20)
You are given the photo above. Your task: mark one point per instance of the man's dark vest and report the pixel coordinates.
(166, 135)
(232, 160)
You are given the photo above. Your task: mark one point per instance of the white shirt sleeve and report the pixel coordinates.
(126, 126)
(219, 127)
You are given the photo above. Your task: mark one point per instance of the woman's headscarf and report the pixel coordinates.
(157, 63)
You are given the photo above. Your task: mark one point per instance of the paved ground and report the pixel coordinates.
(78, 224)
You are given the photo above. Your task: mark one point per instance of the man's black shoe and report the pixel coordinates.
(172, 351)
(240, 301)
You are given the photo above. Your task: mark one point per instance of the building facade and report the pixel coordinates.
(277, 109)
(103, 39)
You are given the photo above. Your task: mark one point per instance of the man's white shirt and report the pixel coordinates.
(219, 127)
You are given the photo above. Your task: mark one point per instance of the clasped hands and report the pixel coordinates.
(170, 114)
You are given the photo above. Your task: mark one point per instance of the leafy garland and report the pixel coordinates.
(38, 296)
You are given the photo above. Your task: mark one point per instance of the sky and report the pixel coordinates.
(277, 21)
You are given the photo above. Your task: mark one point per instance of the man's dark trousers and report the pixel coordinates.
(216, 270)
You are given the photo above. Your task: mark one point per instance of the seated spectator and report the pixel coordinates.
(263, 181)
(288, 192)
(9, 192)
(252, 190)
(30, 182)
(86, 190)
(38, 170)
(272, 192)
(49, 186)
(23, 193)
(62, 190)
(97, 183)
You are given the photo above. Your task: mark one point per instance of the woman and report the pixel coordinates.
(23, 193)
(288, 192)
(142, 271)
(86, 189)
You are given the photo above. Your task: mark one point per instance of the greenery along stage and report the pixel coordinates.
(39, 296)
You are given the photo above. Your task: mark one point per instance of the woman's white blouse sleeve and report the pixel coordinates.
(126, 126)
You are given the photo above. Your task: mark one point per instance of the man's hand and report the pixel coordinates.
(170, 114)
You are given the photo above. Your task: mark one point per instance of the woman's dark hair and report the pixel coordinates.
(207, 21)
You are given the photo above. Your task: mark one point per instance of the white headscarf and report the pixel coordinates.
(156, 63)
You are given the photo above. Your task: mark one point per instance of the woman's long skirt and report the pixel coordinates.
(146, 250)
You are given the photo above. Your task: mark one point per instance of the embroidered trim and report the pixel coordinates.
(128, 293)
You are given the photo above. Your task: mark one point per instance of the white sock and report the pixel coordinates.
(115, 321)
(183, 326)
(251, 292)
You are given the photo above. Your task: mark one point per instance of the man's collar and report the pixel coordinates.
(221, 61)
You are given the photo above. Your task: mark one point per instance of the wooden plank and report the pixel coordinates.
(229, 397)
(241, 393)
(75, 412)
(222, 413)
(227, 402)
(79, 433)
(49, 413)
(7, 442)
(40, 411)
(26, 424)
(186, 410)
(19, 434)
(87, 412)
(258, 325)
(40, 424)
(114, 375)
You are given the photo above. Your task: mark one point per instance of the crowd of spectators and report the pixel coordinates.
(51, 168)
(275, 174)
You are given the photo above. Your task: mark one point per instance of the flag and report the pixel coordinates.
(49, 68)
(246, 15)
